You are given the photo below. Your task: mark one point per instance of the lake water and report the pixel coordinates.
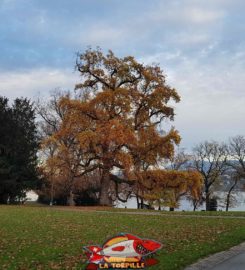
(185, 205)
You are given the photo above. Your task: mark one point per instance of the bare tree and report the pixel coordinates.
(237, 154)
(50, 112)
(180, 161)
(233, 181)
(236, 164)
(50, 117)
(210, 159)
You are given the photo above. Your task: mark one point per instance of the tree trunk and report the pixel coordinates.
(207, 200)
(194, 206)
(105, 200)
(52, 191)
(138, 202)
(228, 201)
(228, 198)
(141, 203)
(70, 199)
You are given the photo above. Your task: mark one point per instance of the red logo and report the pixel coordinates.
(124, 251)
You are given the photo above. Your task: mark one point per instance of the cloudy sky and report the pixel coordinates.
(198, 43)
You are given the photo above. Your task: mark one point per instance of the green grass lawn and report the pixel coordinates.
(44, 238)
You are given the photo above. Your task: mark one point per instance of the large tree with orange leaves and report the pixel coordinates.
(115, 122)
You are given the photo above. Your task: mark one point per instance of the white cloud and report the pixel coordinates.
(186, 12)
(198, 43)
(104, 34)
(212, 94)
(195, 39)
(201, 16)
(31, 82)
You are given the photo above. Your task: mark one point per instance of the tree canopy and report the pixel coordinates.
(115, 123)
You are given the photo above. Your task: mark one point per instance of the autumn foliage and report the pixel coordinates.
(114, 125)
(166, 187)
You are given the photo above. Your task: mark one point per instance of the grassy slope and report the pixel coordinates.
(42, 238)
